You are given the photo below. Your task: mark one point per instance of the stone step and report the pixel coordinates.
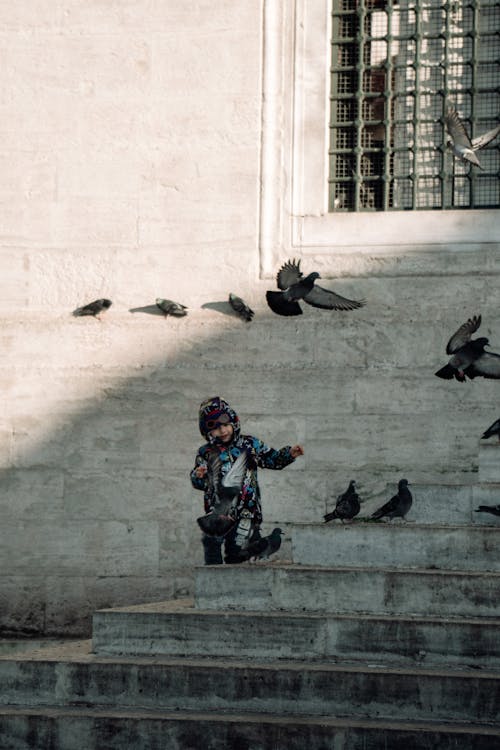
(73, 676)
(176, 628)
(112, 729)
(397, 544)
(383, 591)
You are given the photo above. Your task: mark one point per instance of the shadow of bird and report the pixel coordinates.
(398, 506)
(298, 287)
(348, 505)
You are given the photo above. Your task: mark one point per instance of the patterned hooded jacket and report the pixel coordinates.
(258, 454)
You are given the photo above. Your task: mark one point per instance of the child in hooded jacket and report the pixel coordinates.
(220, 426)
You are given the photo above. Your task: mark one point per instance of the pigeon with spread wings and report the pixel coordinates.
(297, 287)
(469, 360)
(461, 145)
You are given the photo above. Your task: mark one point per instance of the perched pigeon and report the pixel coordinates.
(468, 356)
(226, 489)
(399, 505)
(462, 146)
(262, 548)
(493, 429)
(241, 307)
(493, 509)
(94, 308)
(168, 307)
(296, 286)
(347, 505)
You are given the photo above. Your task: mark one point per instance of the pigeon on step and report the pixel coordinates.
(398, 506)
(347, 505)
(241, 307)
(169, 307)
(262, 548)
(95, 308)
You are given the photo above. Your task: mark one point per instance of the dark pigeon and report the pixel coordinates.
(462, 146)
(493, 429)
(168, 307)
(398, 506)
(298, 287)
(262, 548)
(493, 509)
(226, 490)
(241, 307)
(94, 308)
(347, 505)
(469, 360)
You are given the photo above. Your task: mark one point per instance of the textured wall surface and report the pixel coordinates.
(130, 153)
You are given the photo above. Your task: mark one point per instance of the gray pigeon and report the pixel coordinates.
(225, 490)
(461, 145)
(262, 548)
(493, 509)
(95, 308)
(241, 307)
(469, 360)
(296, 286)
(168, 307)
(347, 505)
(398, 506)
(493, 429)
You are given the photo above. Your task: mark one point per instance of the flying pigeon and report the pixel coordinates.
(493, 429)
(241, 307)
(462, 146)
(168, 307)
(296, 286)
(262, 548)
(226, 489)
(493, 509)
(399, 505)
(347, 505)
(469, 360)
(94, 308)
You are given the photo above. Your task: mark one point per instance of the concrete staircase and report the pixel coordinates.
(375, 636)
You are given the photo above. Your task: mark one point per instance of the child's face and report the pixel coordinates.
(224, 432)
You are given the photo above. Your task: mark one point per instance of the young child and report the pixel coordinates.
(220, 426)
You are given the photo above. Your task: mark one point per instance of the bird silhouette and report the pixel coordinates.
(469, 360)
(348, 505)
(493, 509)
(398, 506)
(241, 307)
(262, 548)
(225, 490)
(95, 308)
(493, 429)
(169, 307)
(462, 146)
(297, 287)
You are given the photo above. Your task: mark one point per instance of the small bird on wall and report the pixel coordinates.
(298, 287)
(493, 429)
(462, 146)
(96, 308)
(241, 307)
(169, 307)
(469, 360)
(348, 505)
(398, 506)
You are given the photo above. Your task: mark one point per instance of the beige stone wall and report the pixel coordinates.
(130, 168)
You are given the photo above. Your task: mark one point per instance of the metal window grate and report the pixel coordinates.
(396, 66)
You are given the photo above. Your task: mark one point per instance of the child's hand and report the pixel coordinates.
(296, 451)
(200, 472)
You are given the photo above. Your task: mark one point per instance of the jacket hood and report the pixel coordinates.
(214, 411)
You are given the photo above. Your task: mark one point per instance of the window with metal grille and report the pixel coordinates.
(396, 66)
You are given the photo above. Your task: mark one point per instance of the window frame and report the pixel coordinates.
(294, 217)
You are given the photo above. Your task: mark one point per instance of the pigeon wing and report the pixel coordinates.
(482, 140)
(456, 129)
(327, 300)
(462, 336)
(233, 480)
(288, 274)
(493, 429)
(281, 306)
(487, 365)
